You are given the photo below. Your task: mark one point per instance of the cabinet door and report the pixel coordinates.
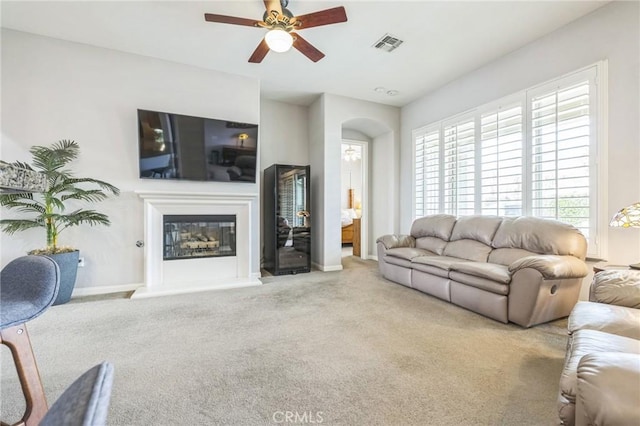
(293, 219)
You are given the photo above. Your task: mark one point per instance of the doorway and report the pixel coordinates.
(353, 196)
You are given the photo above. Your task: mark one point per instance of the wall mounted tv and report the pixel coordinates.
(174, 146)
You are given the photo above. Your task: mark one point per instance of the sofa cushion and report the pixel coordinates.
(538, 235)
(490, 271)
(468, 249)
(584, 342)
(437, 225)
(431, 270)
(441, 262)
(407, 253)
(603, 317)
(506, 256)
(478, 282)
(479, 228)
(433, 244)
(608, 389)
(620, 288)
(398, 261)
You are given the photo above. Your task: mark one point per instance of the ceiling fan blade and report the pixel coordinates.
(223, 19)
(306, 48)
(273, 5)
(260, 52)
(324, 17)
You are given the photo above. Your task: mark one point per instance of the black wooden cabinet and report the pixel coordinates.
(286, 216)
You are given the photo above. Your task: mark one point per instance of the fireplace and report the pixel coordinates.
(198, 236)
(198, 241)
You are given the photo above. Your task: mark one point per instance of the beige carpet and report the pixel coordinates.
(338, 348)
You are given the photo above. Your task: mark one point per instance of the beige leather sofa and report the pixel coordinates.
(523, 270)
(600, 381)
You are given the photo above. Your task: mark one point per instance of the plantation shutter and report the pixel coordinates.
(427, 173)
(533, 153)
(286, 203)
(501, 155)
(560, 148)
(459, 162)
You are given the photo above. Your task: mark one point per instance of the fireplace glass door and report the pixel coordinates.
(197, 236)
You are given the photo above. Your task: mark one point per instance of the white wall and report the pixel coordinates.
(53, 89)
(316, 120)
(383, 190)
(355, 135)
(612, 33)
(284, 130)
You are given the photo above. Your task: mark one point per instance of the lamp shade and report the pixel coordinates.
(278, 40)
(628, 217)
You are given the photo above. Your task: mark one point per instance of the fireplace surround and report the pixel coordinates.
(203, 227)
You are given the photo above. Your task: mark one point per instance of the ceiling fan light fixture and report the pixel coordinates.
(278, 40)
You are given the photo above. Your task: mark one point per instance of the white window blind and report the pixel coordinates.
(459, 168)
(427, 172)
(560, 147)
(501, 162)
(530, 154)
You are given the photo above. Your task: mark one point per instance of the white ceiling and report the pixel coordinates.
(442, 40)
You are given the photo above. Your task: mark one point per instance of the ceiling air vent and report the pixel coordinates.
(388, 43)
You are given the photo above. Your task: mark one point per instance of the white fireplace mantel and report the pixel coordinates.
(164, 277)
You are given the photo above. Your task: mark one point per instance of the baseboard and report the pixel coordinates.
(326, 268)
(107, 289)
(207, 285)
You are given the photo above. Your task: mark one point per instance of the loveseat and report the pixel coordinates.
(600, 380)
(523, 270)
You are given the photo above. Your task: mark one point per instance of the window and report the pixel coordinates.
(501, 154)
(459, 168)
(427, 159)
(533, 153)
(560, 155)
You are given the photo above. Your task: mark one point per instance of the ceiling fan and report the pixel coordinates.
(282, 26)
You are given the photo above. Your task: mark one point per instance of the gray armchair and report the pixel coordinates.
(28, 287)
(85, 402)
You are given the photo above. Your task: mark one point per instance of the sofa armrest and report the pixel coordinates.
(608, 391)
(620, 288)
(393, 240)
(552, 267)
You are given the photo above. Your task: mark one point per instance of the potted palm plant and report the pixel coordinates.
(48, 209)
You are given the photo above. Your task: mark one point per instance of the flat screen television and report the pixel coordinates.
(175, 146)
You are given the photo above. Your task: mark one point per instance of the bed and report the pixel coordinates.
(347, 226)
(346, 218)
